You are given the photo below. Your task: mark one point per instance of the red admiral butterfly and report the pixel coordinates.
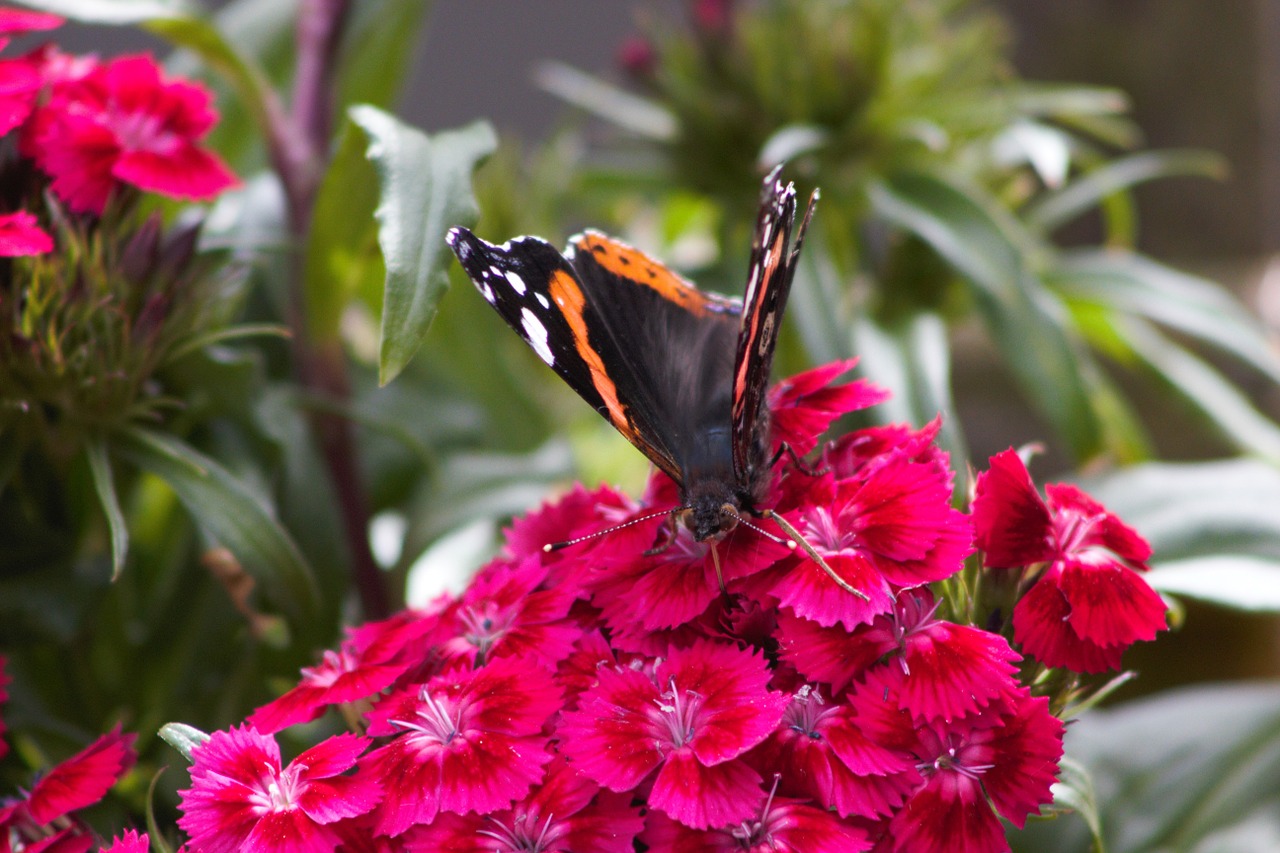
(681, 373)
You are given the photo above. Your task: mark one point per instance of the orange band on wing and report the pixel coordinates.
(566, 293)
(635, 266)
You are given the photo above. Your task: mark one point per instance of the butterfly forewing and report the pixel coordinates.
(772, 267)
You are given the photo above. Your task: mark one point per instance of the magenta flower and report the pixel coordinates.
(804, 405)
(1090, 603)
(567, 813)
(123, 123)
(472, 740)
(129, 842)
(27, 21)
(892, 527)
(781, 826)
(690, 721)
(20, 235)
(242, 799)
(1002, 761)
(827, 758)
(343, 676)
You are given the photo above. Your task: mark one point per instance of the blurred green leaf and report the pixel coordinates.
(104, 485)
(378, 50)
(1222, 403)
(234, 516)
(1198, 510)
(622, 108)
(1195, 770)
(911, 357)
(425, 186)
(1074, 790)
(114, 11)
(1024, 319)
(341, 250)
(1085, 193)
(1137, 285)
(1230, 580)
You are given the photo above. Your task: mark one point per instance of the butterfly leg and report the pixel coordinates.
(799, 464)
(804, 545)
(667, 535)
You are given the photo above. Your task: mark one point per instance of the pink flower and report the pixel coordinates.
(804, 405)
(568, 813)
(123, 123)
(891, 527)
(472, 741)
(27, 21)
(20, 235)
(241, 798)
(343, 676)
(1002, 761)
(701, 709)
(129, 842)
(780, 826)
(82, 779)
(824, 756)
(1090, 603)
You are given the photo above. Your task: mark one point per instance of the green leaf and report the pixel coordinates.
(425, 189)
(1137, 285)
(913, 360)
(378, 53)
(104, 485)
(632, 113)
(1074, 790)
(1193, 770)
(1222, 403)
(232, 514)
(1024, 319)
(1230, 580)
(182, 737)
(1085, 193)
(116, 12)
(342, 245)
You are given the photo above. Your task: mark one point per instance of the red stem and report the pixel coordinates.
(299, 147)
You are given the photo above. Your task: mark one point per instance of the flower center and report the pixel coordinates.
(483, 628)
(140, 131)
(523, 834)
(433, 719)
(679, 711)
(283, 788)
(805, 711)
(822, 531)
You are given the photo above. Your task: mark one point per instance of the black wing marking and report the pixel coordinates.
(676, 346)
(773, 264)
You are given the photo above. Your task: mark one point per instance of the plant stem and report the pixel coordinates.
(299, 149)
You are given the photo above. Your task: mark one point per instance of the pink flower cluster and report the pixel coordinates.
(611, 693)
(93, 128)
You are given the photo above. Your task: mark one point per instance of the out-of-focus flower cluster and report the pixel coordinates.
(611, 692)
(95, 293)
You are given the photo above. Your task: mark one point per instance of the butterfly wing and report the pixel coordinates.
(773, 263)
(608, 320)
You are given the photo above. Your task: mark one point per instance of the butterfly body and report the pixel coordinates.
(681, 373)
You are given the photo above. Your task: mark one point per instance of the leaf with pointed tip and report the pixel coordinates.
(1025, 320)
(425, 189)
(182, 737)
(232, 514)
(104, 485)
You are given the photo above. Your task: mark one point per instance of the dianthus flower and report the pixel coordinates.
(123, 123)
(567, 813)
(690, 720)
(469, 740)
(242, 799)
(20, 235)
(39, 820)
(781, 826)
(1091, 602)
(129, 842)
(1003, 761)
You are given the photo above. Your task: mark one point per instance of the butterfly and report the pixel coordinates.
(680, 372)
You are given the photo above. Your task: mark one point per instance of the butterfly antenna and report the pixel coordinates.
(556, 546)
(797, 539)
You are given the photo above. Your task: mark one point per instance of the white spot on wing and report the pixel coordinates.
(487, 292)
(536, 334)
(542, 300)
(516, 282)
